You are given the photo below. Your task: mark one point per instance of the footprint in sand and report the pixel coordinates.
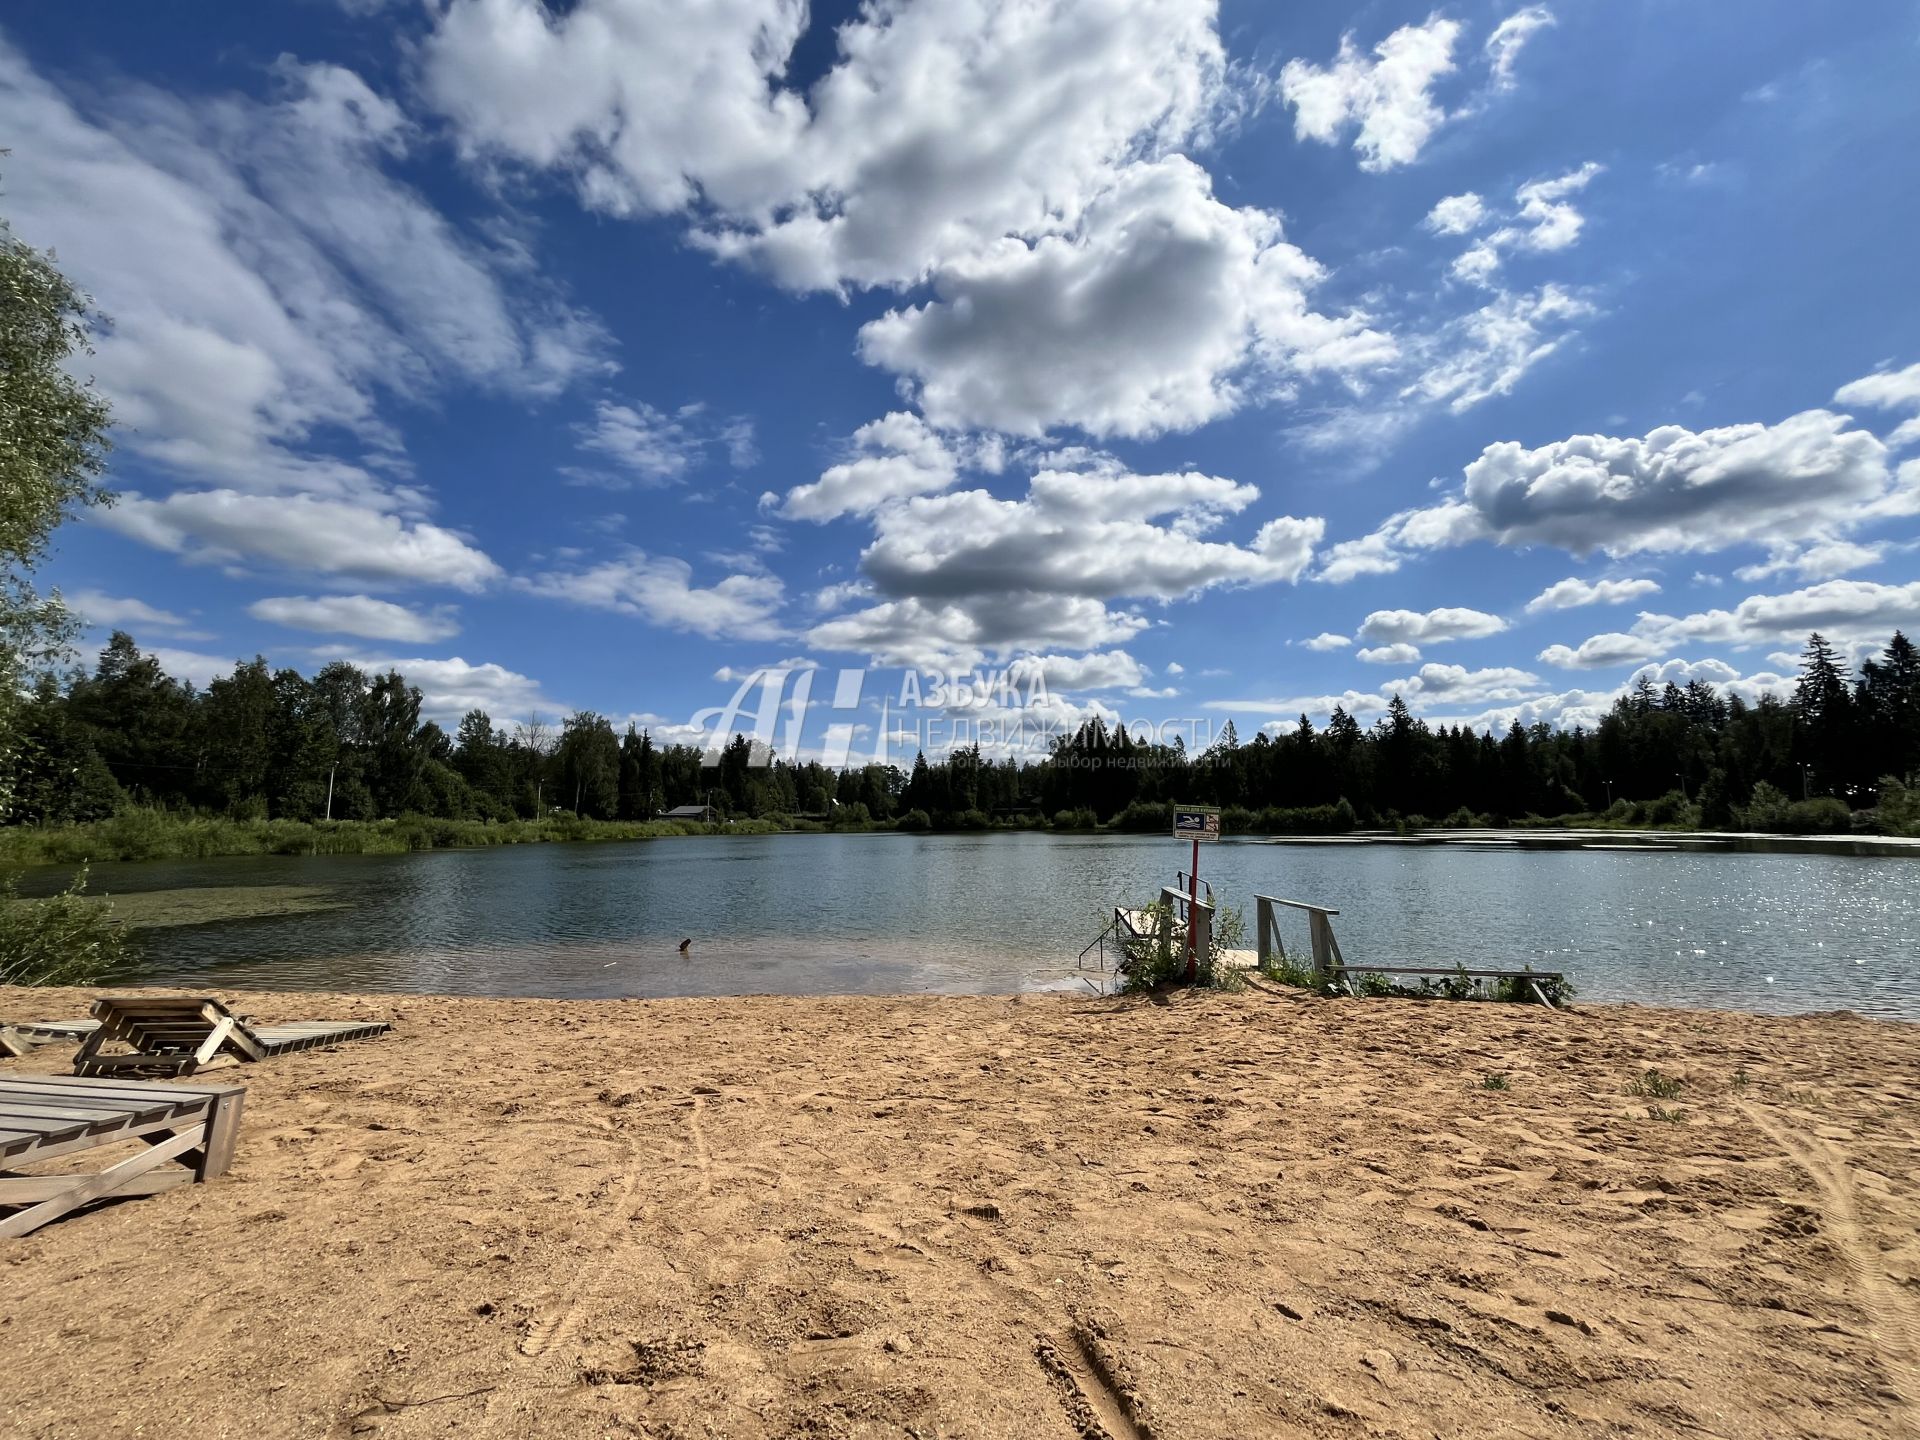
(1896, 1319)
(549, 1325)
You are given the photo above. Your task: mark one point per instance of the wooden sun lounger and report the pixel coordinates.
(46, 1116)
(23, 1037)
(179, 1036)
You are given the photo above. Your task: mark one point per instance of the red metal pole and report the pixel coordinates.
(1193, 899)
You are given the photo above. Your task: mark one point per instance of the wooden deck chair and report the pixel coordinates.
(179, 1036)
(43, 1117)
(23, 1037)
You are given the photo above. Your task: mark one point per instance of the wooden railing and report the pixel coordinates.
(1268, 946)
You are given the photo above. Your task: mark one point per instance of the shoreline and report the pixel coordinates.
(1203, 1214)
(131, 840)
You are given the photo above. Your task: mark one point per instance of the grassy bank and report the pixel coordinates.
(150, 835)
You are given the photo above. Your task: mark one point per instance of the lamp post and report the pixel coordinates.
(1682, 778)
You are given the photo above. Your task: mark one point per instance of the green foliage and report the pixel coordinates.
(1498, 1081)
(1660, 1112)
(1519, 990)
(53, 444)
(65, 940)
(1652, 1085)
(53, 447)
(1898, 812)
(352, 746)
(914, 820)
(1766, 810)
(143, 834)
(1285, 970)
(1147, 967)
(1822, 815)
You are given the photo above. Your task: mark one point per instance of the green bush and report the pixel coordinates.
(1082, 819)
(65, 940)
(1822, 815)
(153, 835)
(1305, 819)
(1141, 817)
(1898, 812)
(914, 820)
(1765, 810)
(1146, 968)
(1671, 809)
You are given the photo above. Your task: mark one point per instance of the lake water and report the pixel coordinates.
(988, 913)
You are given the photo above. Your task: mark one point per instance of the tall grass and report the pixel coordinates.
(63, 940)
(155, 835)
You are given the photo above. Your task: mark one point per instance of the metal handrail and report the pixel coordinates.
(1099, 941)
(1185, 883)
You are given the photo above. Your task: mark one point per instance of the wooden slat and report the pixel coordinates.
(83, 1104)
(26, 1189)
(45, 1124)
(92, 1118)
(58, 1029)
(49, 1150)
(170, 1062)
(104, 1089)
(92, 1187)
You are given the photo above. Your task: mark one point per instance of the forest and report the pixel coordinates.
(343, 745)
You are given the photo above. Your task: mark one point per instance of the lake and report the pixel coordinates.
(889, 913)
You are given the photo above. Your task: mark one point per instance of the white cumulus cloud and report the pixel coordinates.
(1573, 592)
(1398, 653)
(360, 615)
(1385, 99)
(1888, 390)
(1457, 214)
(1793, 487)
(894, 457)
(660, 590)
(1510, 37)
(1449, 622)
(1146, 317)
(302, 533)
(962, 575)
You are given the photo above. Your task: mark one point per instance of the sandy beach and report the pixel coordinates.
(1222, 1215)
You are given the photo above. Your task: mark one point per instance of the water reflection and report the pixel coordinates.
(897, 913)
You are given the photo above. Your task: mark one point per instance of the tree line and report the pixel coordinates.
(346, 745)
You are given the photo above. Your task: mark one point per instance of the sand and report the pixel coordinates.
(1222, 1215)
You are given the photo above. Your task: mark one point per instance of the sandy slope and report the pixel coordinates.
(1261, 1214)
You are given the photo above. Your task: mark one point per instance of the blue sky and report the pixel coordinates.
(1210, 361)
